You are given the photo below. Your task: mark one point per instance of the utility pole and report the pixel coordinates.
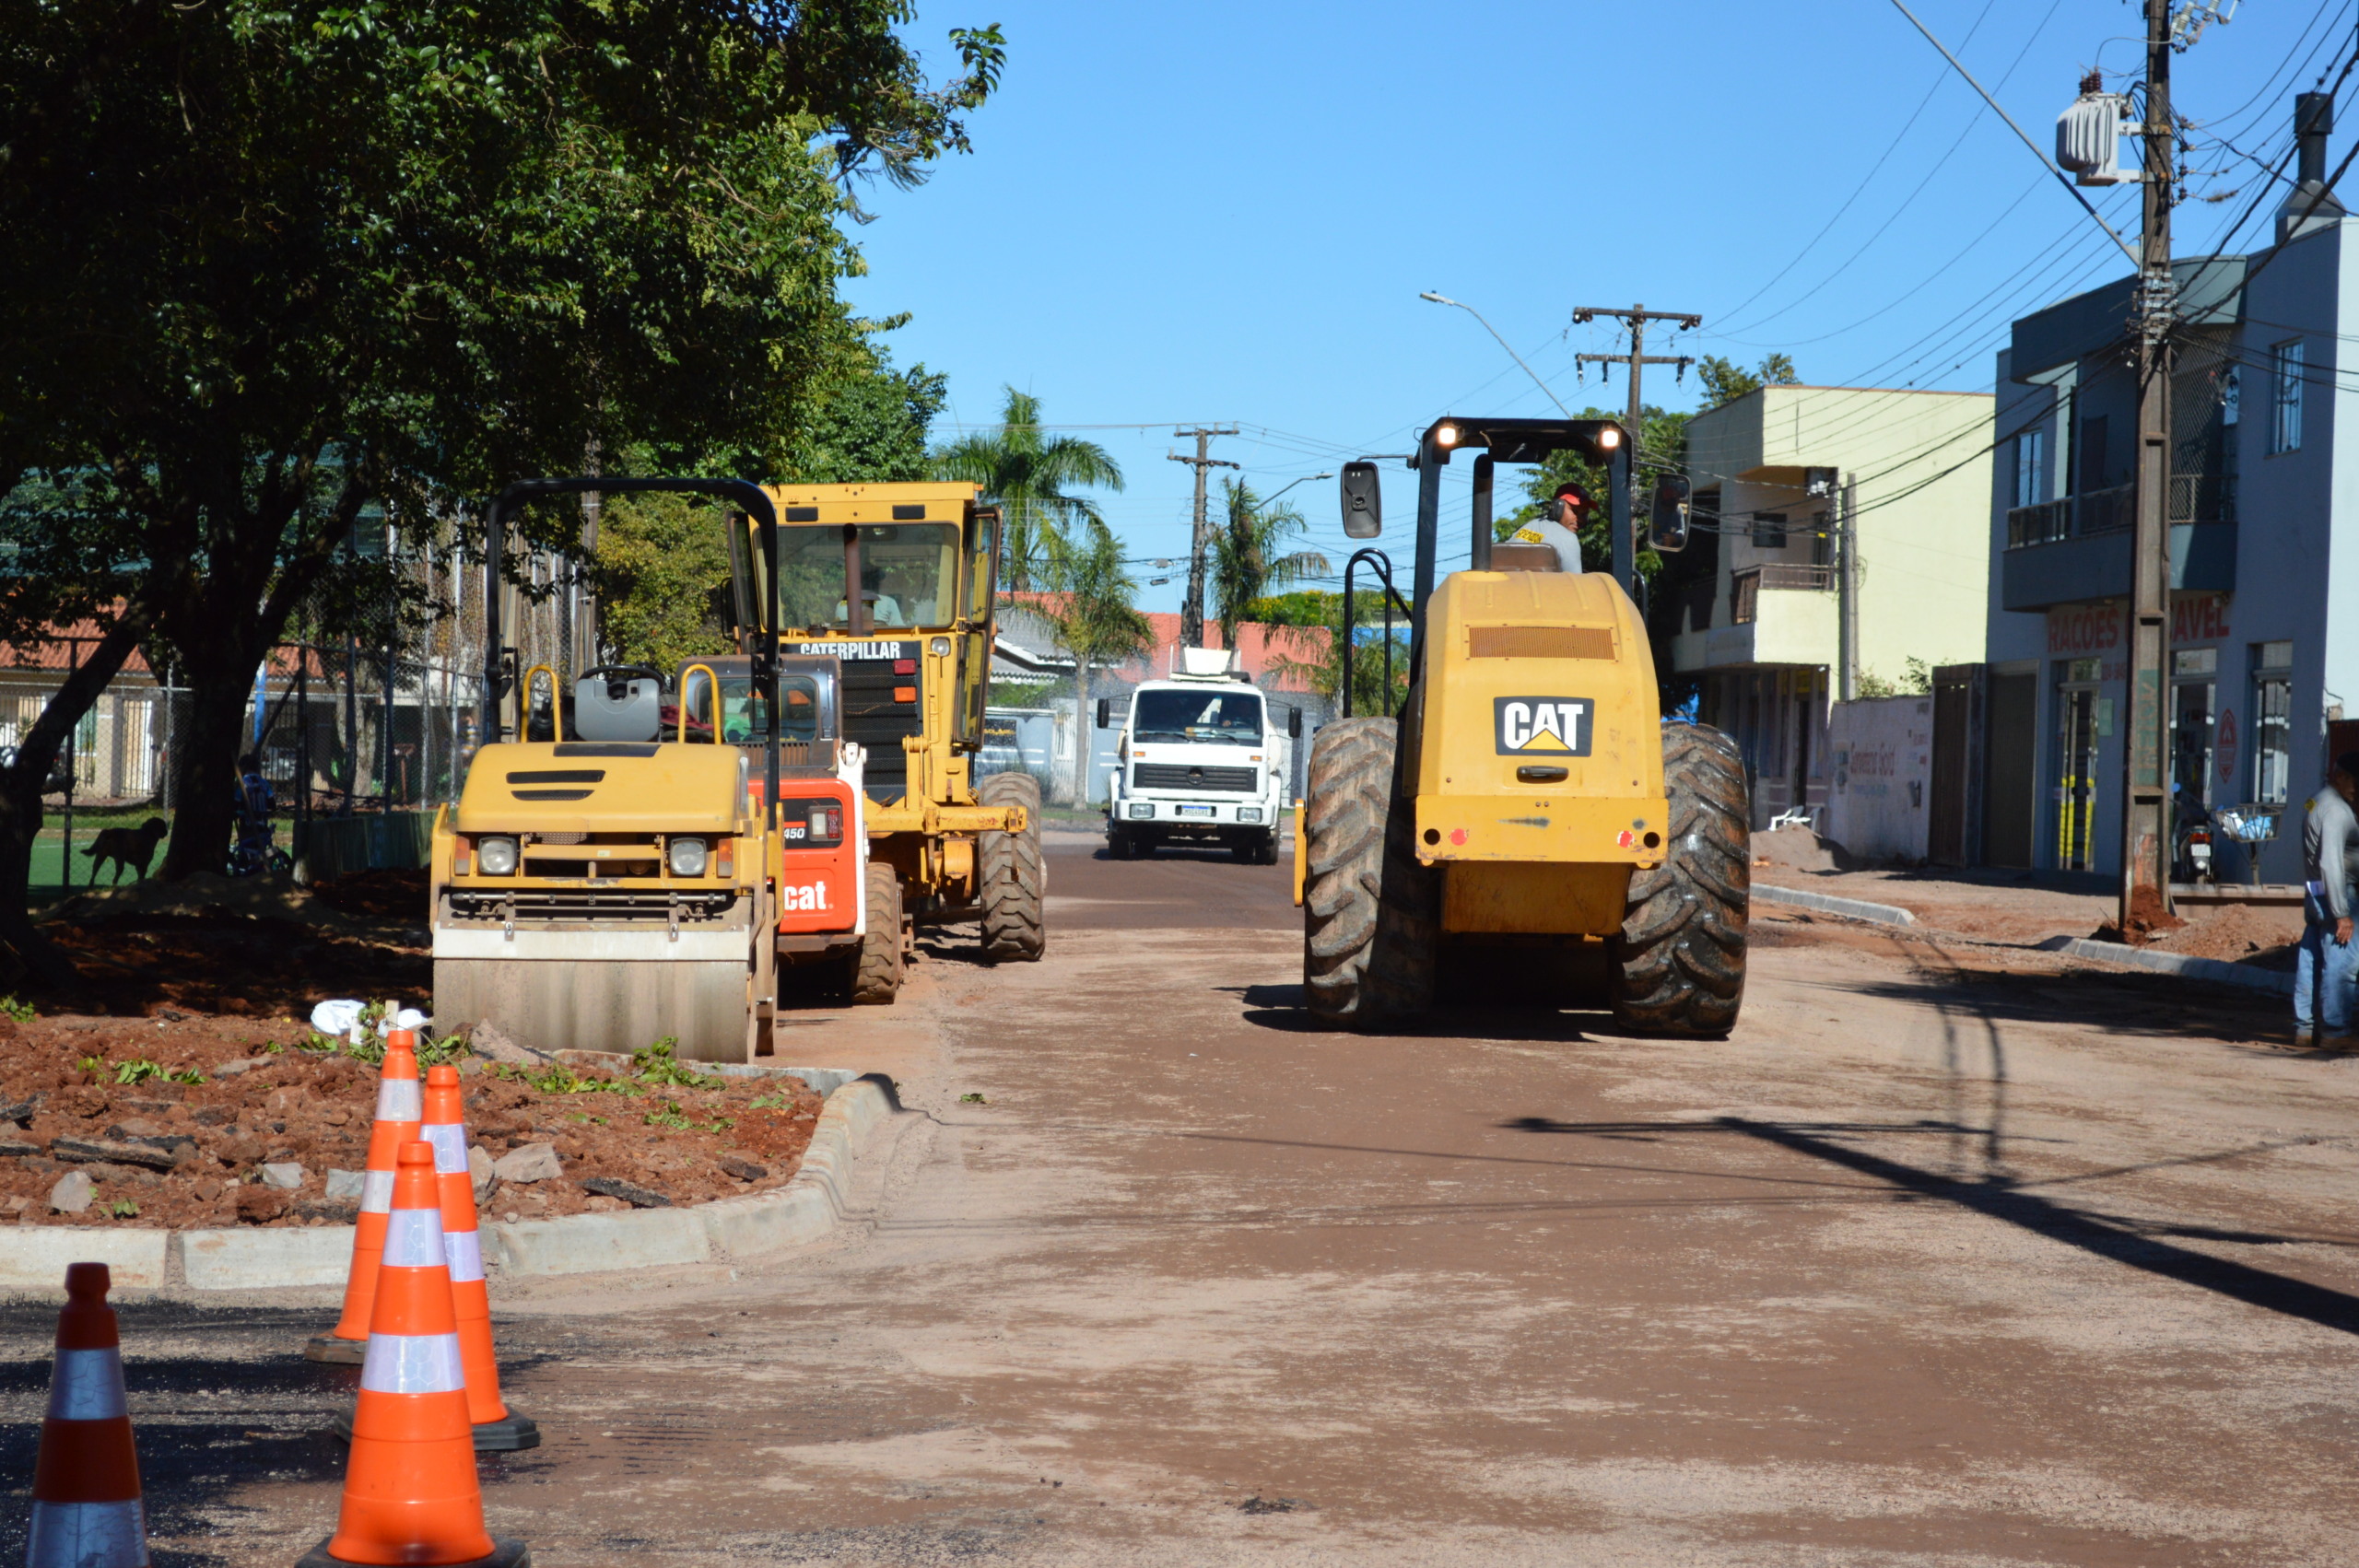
(1626, 544)
(2145, 792)
(1192, 611)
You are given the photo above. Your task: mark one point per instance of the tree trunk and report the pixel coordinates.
(1085, 734)
(20, 794)
(206, 808)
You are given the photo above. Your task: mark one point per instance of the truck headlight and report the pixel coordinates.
(1249, 814)
(687, 857)
(1142, 810)
(497, 856)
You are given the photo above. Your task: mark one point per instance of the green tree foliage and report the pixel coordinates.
(1092, 608)
(1250, 553)
(1031, 475)
(263, 262)
(868, 428)
(1307, 638)
(1725, 380)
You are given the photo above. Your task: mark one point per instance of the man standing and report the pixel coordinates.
(2324, 972)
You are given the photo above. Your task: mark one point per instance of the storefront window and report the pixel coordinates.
(2272, 706)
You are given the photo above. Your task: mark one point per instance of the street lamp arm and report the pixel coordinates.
(1445, 299)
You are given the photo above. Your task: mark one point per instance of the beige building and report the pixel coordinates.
(1751, 609)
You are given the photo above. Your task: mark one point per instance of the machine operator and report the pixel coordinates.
(1559, 525)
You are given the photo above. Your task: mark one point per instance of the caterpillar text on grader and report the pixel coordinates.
(1529, 803)
(665, 857)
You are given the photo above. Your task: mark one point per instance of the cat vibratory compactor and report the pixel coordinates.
(656, 856)
(1528, 812)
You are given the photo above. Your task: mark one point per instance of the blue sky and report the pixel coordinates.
(1221, 212)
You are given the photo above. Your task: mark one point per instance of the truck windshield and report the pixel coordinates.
(1221, 716)
(742, 712)
(908, 575)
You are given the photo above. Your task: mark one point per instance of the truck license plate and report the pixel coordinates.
(1195, 811)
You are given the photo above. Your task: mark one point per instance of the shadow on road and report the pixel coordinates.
(2135, 1244)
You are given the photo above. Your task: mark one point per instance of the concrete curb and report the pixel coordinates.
(2179, 964)
(34, 1257)
(1827, 903)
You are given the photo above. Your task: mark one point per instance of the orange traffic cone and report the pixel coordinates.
(498, 1429)
(86, 1484)
(410, 1493)
(399, 1111)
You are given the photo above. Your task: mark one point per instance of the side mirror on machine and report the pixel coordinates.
(1294, 723)
(1667, 521)
(1363, 501)
(1105, 713)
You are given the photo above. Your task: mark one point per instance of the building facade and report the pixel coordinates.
(2262, 660)
(1751, 611)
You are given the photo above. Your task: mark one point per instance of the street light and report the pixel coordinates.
(1291, 483)
(1446, 299)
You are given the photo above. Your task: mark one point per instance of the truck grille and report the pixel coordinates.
(878, 714)
(1189, 776)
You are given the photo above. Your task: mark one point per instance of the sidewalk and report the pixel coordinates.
(2024, 907)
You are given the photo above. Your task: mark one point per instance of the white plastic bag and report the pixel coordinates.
(336, 1017)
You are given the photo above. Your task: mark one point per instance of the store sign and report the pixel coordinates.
(2085, 628)
(2199, 617)
(2223, 741)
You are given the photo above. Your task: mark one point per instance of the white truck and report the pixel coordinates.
(1200, 762)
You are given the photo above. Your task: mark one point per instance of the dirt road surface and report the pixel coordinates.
(1954, 1254)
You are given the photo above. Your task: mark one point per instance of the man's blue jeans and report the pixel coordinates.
(2323, 974)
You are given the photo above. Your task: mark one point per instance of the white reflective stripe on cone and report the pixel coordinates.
(86, 1386)
(87, 1534)
(401, 1099)
(450, 1140)
(465, 1250)
(413, 1363)
(376, 1192)
(414, 1239)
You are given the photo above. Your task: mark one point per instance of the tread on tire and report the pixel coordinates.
(878, 967)
(1680, 959)
(1370, 911)
(1014, 876)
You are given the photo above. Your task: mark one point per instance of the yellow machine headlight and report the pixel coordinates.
(1609, 437)
(497, 856)
(687, 857)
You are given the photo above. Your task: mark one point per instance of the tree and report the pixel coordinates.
(662, 567)
(1093, 610)
(1029, 475)
(869, 428)
(1247, 554)
(1306, 636)
(1725, 380)
(264, 262)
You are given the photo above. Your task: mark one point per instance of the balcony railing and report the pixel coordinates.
(2195, 497)
(1745, 587)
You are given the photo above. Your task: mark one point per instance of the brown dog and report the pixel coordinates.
(132, 847)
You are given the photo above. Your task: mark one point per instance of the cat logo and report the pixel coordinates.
(813, 897)
(1541, 726)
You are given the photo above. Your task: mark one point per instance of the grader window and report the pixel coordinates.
(908, 575)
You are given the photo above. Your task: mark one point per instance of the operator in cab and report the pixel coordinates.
(1559, 525)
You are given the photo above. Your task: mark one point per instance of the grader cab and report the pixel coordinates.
(1529, 799)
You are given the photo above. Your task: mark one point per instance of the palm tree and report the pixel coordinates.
(1027, 475)
(1249, 558)
(1095, 616)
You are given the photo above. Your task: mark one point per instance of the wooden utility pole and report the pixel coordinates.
(2145, 789)
(1192, 611)
(1625, 542)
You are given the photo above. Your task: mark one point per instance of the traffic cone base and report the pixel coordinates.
(505, 1553)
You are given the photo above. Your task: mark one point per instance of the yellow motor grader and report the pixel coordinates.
(654, 854)
(1529, 803)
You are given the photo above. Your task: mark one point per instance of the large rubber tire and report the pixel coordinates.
(1014, 877)
(876, 971)
(1370, 913)
(1680, 959)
